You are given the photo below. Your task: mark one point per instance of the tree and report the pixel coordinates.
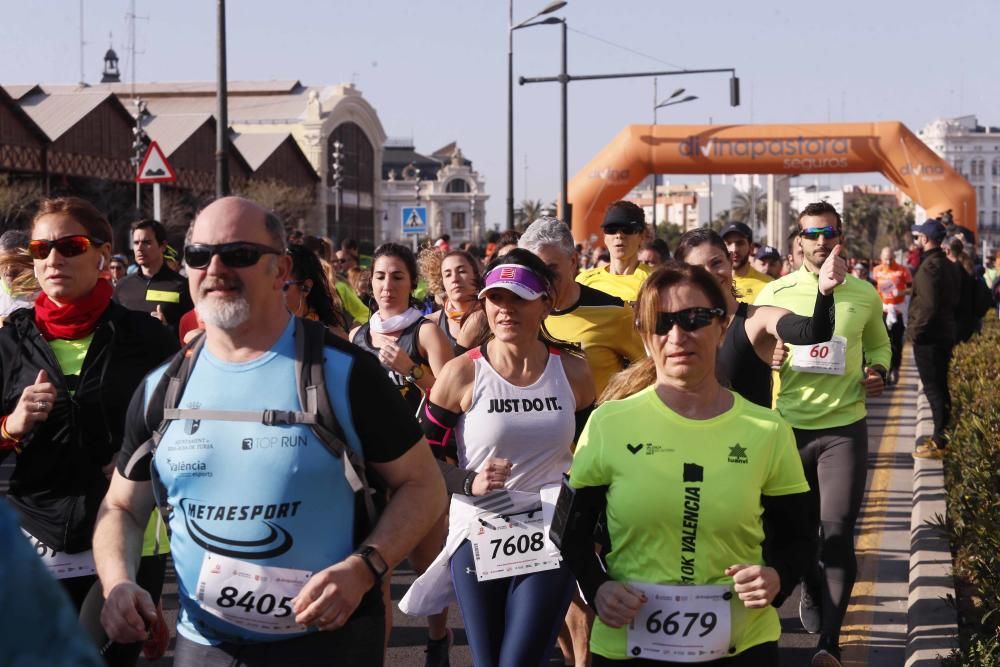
(861, 218)
(871, 221)
(531, 210)
(295, 206)
(721, 220)
(750, 207)
(18, 201)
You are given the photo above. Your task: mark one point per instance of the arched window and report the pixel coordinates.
(457, 185)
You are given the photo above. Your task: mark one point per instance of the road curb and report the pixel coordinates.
(932, 625)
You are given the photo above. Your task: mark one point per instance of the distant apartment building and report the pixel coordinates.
(841, 197)
(687, 205)
(974, 151)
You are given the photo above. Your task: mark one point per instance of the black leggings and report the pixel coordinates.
(836, 466)
(761, 655)
(358, 644)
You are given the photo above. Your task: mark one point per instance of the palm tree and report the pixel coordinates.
(861, 217)
(750, 207)
(531, 210)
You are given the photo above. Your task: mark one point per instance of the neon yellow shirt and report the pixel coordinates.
(604, 326)
(625, 287)
(750, 285)
(70, 354)
(352, 304)
(815, 400)
(656, 463)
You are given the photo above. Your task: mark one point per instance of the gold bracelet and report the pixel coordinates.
(4, 433)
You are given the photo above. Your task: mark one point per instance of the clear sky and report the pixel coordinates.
(435, 70)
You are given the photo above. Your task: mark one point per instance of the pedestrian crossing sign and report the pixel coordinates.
(414, 220)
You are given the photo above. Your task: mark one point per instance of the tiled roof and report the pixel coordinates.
(57, 113)
(256, 148)
(170, 132)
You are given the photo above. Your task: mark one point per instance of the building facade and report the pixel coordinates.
(443, 183)
(974, 151)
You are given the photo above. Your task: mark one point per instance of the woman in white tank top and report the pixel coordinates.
(516, 405)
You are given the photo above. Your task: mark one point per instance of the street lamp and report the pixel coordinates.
(337, 178)
(669, 102)
(555, 5)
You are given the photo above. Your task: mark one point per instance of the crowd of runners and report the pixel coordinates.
(631, 452)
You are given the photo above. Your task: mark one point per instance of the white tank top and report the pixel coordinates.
(532, 426)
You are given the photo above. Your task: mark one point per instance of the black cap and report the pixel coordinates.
(767, 252)
(933, 229)
(618, 215)
(740, 228)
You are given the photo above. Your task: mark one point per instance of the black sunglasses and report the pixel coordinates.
(68, 246)
(237, 255)
(813, 233)
(622, 229)
(689, 319)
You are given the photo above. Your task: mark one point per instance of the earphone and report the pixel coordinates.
(100, 265)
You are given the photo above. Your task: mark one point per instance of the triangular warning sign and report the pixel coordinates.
(154, 167)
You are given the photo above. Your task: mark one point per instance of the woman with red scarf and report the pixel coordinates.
(68, 368)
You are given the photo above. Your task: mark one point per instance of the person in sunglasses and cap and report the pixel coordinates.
(155, 288)
(624, 231)
(823, 392)
(266, 500)
(68, 368)
(683, 471)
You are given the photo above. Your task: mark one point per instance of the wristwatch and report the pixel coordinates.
(373, 559)
(883, 373)
(415, 373)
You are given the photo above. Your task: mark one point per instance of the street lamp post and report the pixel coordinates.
(551, 7)
(670, 101)
(564, 79)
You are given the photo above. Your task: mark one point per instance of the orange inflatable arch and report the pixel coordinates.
(886, 147)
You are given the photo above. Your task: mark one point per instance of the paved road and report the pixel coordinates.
(875, 628)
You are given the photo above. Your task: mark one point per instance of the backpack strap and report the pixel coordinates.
(165, 396)
(310, 342)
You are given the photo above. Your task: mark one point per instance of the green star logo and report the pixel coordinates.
(738, 454)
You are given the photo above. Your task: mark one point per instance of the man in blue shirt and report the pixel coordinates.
(262, 517)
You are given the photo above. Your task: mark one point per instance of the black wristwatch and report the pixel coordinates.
(373, 559)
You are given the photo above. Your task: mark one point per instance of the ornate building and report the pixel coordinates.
(444, 183)
(974, 151)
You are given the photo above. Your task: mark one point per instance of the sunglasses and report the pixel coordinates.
(622, 229)
(813, 233)
(68, 246)
(689, 319)
(237, 255)
(288, 284)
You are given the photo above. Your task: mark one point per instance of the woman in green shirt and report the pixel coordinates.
(685, 469)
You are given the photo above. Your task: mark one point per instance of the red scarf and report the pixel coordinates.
(74, 320)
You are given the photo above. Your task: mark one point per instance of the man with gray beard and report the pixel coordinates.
(272, 557)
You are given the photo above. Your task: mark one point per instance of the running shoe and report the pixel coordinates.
(810, 612)
(826, 658)
(928, 449)
(437, 651)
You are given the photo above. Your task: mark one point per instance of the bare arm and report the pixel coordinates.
(435, 347)
(121, 521)
(418, 501)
